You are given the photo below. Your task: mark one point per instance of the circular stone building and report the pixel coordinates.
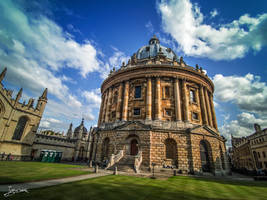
(157, 110)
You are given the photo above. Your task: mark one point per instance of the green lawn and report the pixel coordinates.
(128, 188)
(15, 172)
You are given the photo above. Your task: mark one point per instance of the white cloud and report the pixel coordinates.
(115, 61)
(36, 52)
(185, 23)
(242, 126)
(213, 13)
(248, 92)
(93, 97)
(150, 27)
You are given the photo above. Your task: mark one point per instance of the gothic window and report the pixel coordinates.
(222, 158)
(136, 111)
(137, 92)
(193, 96)
(105, 148)
(264, 155)
(259, 155)
(20, 128)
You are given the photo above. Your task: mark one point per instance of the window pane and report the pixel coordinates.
(136, 111)
(137, 92)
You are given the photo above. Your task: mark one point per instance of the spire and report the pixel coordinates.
(82, 121)
(2, 75)
(19, 95)
(44, 95)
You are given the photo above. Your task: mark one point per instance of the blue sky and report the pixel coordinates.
(70, 47)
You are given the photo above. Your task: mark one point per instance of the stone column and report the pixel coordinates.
(208, 106)
(178, 115)
(108, 104)
(185, 101)
(203, 105)
(149, 99)
(118, 106)
(213, 112)
(158, 100)
(125, 101)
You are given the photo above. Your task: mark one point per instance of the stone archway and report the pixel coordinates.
(222, 158)
(105, 148)
(132, 144)
(81, 153)
(171, 155)
(205, 156)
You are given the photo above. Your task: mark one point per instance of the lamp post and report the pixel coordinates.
(153, 170)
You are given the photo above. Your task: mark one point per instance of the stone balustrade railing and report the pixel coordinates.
(115, 158)
(138, 161)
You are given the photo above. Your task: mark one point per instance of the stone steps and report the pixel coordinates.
(126, 164)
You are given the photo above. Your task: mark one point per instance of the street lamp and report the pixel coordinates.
(153, 170)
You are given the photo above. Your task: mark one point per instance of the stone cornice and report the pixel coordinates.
(143, 71)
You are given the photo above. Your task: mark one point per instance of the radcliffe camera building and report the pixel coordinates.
(157, 110)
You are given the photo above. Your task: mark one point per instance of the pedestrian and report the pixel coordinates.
(3, 156)
(8, 156)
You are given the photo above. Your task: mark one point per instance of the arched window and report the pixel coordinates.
(171, 149)
(20, 128)
(204, 156)
(105, 148)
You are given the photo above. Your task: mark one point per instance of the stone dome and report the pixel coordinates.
(81, 126)
(154, 49)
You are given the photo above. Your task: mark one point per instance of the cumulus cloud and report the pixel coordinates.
(247, 92)
(93, 97)
(115, 61)
(242, 126)
(36, 51)
(43, 42)
(185, 23)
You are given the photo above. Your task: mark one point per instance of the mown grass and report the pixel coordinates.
(133, 188)
(17, 172)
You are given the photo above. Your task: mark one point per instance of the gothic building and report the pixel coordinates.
(157, 109)
(74, 146)
(18, 122)
(249, 153)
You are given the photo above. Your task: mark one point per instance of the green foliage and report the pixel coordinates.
(16, 172)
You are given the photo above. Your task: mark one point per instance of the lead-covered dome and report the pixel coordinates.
(154, 49)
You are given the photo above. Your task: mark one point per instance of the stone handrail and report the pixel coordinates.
(138, 161)
(115, 158)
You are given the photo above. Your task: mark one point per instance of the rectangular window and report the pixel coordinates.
(167, 92)
(168, 112)
(193, 96)
(113, 114)
(259, 155)
(264, 155)
(195, 116)
(136, 111)
(137, 92)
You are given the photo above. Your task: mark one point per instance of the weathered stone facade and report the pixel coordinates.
(161, 108)
(250, 152)
(18, 122)
(74, 146)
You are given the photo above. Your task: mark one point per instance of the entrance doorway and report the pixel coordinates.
(134, 147)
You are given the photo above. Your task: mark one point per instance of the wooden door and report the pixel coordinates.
(134, 147)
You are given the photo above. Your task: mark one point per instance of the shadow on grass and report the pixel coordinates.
(229, 181)
(123, 187)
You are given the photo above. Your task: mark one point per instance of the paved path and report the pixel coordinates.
(46, 183)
